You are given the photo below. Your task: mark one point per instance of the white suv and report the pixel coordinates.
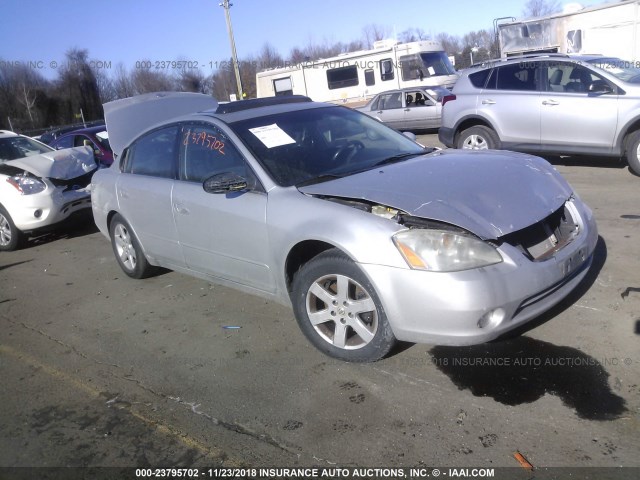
(39, 186)
(559, 104)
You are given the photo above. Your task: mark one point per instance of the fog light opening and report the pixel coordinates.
(492, 318)
(37, 213)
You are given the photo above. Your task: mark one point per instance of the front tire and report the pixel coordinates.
(633, 152)
(339, 311)
(478, 138)
(127, 249)
(11, 238)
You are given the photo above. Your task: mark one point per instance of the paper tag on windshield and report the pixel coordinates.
(272, 136)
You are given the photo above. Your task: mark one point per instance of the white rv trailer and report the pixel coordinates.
(356, 76)
(611, 29)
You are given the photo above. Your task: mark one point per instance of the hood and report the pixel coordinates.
(489, 193)
(59, 164)
(127, 118)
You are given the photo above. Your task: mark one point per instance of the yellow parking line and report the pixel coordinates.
(211, 452)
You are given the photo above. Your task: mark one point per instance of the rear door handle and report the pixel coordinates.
(550, 102)
(123, 193)
(488, 102)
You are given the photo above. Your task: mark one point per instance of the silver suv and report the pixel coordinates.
(555, 104)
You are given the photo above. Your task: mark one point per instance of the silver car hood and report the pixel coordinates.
(489, 194)
(59, 164)
(127, 118)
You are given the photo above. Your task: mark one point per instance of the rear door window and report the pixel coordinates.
(154, 154)
(522, 76)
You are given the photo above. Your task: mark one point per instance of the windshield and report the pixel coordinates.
(321, 143)
(425, 65)
(13, 148)
(624, 70)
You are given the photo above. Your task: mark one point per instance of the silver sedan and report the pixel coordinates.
(369, 236)
(418, 108)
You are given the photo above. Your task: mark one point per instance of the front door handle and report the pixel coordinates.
(550, 102)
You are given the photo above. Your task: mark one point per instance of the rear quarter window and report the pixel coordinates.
(479, 79)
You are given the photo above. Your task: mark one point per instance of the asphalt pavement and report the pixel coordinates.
(102, 370)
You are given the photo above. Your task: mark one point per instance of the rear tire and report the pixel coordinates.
(633, 152)
(339, 311)
(478, 138)
(127, 249)
(10, 237)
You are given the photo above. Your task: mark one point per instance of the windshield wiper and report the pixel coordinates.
(318, 179)
(398, 158)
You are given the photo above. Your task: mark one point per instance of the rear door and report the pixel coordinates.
(144, 192)
(511, 102)
(390, 109)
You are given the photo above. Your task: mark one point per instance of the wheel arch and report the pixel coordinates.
(472, 121)
(110, 216)
(626, 132)
(113, 213)
(301, 253)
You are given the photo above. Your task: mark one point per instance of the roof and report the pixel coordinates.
(7, 134)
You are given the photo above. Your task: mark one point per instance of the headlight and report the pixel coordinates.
(443, 251)
(26, 185)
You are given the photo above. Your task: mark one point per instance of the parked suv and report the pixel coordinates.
(549, 104)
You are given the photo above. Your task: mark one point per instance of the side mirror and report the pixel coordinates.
(410, 135)
(225, 183)
(600, 87)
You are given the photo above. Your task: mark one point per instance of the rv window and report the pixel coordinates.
(386, 69)
(369, 78)
(282, 86)
(342, 77)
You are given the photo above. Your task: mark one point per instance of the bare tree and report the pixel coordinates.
(269, 58)
(540, 8)
(413, 35)
(27, 98)
(194, 80)
(450, 43)
(223, 81)
(145, 80)
(22, 95)
(106, 86)
(77, 87)
(122, 83)
(298, 55)
(372, 33)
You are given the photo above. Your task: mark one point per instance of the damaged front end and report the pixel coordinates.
(47, 188)
(442, 247)
(429, 244)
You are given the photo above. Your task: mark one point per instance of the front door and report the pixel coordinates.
(222, 235)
